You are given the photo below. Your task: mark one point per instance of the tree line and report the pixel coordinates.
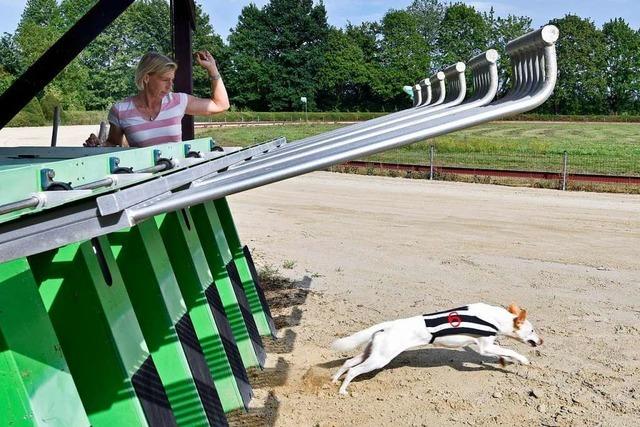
(285, 50)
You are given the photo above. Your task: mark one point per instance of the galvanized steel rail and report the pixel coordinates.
(534, 61)
(83, 220)
(483, 65)
(534, 65)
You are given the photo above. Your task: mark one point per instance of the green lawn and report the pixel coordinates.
(608, 148)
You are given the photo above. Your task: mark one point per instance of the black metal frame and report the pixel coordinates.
(69, 46)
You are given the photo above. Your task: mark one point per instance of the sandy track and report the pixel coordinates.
(68, 136)
(359, 250)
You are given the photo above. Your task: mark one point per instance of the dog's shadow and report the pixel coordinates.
(465, 360)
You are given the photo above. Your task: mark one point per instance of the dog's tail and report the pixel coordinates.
(353, 341)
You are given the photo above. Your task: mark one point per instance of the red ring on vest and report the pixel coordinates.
(454, 319)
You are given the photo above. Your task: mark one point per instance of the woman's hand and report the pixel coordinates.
(92, 141)
(206, 61)
(219, 99)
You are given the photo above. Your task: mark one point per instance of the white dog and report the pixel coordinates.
(475, 325)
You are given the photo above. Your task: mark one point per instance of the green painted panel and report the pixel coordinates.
(194, 277)
(158, 303)
(97, 329)
(36, 388)
(228, 227)
(217, 253)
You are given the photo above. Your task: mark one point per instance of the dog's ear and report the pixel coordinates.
(519, 320)
(513, 309)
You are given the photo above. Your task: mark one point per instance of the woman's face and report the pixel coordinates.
(160, 84)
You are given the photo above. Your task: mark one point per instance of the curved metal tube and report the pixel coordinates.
(363, 131)
(537, 50)
(425, 86)
(456, 84)
(417, 95)
(438, 88)
(453, 74)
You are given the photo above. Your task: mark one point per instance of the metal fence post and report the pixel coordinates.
(565, 161)
(431, 157)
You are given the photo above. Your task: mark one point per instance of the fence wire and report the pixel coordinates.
(548, 162)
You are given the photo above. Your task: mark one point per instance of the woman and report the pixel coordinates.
(154, 115)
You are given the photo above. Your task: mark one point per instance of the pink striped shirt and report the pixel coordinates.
(141, 132)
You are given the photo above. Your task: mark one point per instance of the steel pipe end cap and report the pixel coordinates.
(455, 70)
(426, 82)
(439, 76)
(485, 59)
(417, 87)
(550, 34)
(492, 56)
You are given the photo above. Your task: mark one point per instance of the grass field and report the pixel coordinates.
(607, 148)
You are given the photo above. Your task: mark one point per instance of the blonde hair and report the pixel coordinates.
(152, 63)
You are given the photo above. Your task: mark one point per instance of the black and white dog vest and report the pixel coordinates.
(457, 321)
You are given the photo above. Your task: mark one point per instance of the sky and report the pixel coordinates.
(224, 14)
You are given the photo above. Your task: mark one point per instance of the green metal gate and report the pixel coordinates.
(150, 324)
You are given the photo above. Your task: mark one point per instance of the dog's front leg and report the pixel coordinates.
(495, 350)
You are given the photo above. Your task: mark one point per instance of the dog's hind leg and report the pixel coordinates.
(377, 359)
(348, 365)
(372, 363)
(353, 362)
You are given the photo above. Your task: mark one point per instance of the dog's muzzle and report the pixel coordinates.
(532, 343)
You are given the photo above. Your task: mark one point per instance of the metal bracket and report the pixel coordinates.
(48, 184)
(191, 154)
(114, 166)
(214, 147)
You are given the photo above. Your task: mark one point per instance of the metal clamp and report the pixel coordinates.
(48, 184)
(114, 166)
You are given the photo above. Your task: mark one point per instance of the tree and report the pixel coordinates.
(429, 15)
(582, 85)
(464, 33)
(404, 57)
(276, 54)
(40, 26)
(205, 38)
(366, 36)
(38, 29)
(6, 79)
(503, 30)
(344, 81)
(248, 82)
(10, 55)
(623, 66)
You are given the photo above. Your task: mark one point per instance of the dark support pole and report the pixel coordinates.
(184, 24)
(53, 61)
(102, 133)
(56, 123)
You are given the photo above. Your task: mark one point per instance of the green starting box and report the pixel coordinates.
(105, 322)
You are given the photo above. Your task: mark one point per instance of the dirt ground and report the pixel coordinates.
(341, 252)
(68, 136)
